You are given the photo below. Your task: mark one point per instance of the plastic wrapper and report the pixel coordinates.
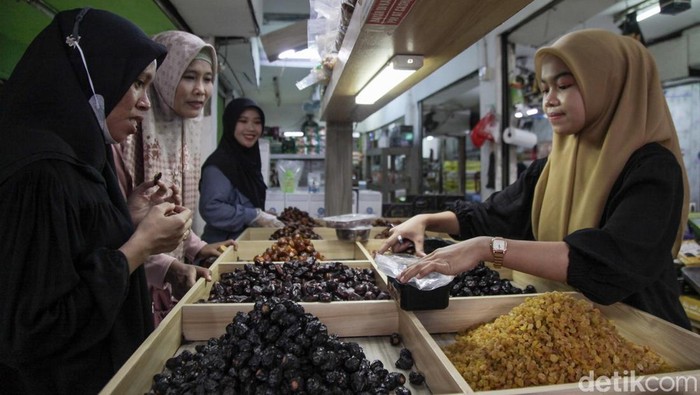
(323, 25)
(316, 75)
(347, 221)
(347, 8)
(394, 265)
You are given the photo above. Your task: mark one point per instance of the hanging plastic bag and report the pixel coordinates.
(394, 265)
(484, 130)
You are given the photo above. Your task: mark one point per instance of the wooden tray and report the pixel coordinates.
(332, 250)
(369, 323)
(670, 341)
(202, 295)
(325, 233)
(265, 233)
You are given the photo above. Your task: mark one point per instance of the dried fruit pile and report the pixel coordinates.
(289, 249)
(307, 281)
(306, 232)
(386, 222)
(482, 281)
(383, 222)
(552, 338)
(294, 216)
(276, 348)
(384, 234)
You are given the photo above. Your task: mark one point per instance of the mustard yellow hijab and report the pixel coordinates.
(625, 109)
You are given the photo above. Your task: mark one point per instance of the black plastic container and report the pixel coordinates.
(431, 244)
(411, 298)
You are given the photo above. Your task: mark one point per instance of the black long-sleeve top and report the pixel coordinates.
(70, 312)
(627, 258)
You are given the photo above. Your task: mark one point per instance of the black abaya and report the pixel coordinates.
(70, 312)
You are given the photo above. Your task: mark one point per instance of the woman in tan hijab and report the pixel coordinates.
(606, 211)
(169, 144)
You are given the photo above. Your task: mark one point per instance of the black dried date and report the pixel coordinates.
(302, 357)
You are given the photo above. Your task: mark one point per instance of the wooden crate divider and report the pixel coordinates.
(332, 250)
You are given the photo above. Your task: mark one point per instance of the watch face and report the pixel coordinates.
(499, 245)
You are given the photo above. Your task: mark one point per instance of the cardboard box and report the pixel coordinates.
(369, 202)
(317, 204)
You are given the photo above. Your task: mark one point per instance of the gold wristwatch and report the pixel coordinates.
(499, 246)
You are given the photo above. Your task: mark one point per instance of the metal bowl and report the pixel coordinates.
(360, 233)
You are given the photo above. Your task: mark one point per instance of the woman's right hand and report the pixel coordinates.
(164, 227)
(149, 194)
(410, 232)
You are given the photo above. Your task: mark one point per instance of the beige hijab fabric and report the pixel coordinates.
(625, 109)
(169, 143)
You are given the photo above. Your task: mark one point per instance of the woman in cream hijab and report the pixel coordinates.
(606, 211)
(169, 144)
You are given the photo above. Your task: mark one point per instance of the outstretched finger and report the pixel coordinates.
(203, 272)
(175, 196)
(162, 190)
(384, 247)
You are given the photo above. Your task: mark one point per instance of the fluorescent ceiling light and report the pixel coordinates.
(293, 133)
(392, 74)
(518, 114)
(648, 12)
(305, 54)
(531, 111)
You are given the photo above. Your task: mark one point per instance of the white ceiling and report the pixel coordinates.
(221, 18)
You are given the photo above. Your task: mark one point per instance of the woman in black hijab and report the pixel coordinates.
(232, 190)
(73, 299)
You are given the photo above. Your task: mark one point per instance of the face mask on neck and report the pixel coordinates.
(97, 102)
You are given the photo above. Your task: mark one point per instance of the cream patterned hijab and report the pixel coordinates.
(625, 110)
(169, 143)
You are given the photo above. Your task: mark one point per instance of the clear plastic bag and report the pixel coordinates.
(289, 173)
(323, 25)
(316, 75)
(393, 265)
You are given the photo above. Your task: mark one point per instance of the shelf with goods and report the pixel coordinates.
(309, 148)
(311, 164)
(387, 169)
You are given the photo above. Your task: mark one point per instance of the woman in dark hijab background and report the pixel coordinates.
(73, 299)
(232, 190)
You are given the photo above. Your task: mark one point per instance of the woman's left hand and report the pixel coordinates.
(215, 249)
(182, 277)
(149, 194)
(450, 260)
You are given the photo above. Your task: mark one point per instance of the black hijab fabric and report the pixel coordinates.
(241, 165)
(49, 88)
(71, 312)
